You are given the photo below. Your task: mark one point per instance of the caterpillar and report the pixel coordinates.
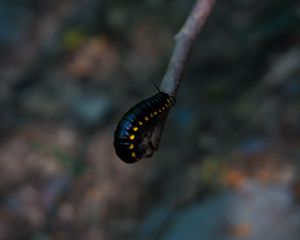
(132, 138)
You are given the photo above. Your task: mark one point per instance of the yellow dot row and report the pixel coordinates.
(140, 123)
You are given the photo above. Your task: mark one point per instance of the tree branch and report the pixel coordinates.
(184, 41)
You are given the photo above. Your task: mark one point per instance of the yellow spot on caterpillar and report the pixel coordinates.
(163, 108)
(146, 118)
(132, 136)
(135, 129)
(166, 105)
(151, 115)
(140, 123)
(155, 113)
(168, 100)
(131, 146)
(159, 110)
(133, 154)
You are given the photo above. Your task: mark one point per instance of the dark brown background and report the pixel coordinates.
(228, 164)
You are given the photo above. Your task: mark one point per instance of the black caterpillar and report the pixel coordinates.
(133, 134)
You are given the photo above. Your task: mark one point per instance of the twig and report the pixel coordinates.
(184, 41)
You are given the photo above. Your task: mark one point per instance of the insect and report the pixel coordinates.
(133, 134)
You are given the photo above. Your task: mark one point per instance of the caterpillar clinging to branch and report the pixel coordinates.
(134, 131)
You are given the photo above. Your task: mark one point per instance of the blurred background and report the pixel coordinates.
(228, 164)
